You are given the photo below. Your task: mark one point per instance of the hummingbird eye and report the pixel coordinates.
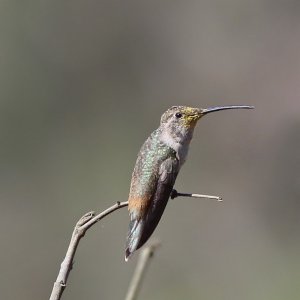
(178, 115)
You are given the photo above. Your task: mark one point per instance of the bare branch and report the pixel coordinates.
(175, 194)
(140, 270)
(86, 222)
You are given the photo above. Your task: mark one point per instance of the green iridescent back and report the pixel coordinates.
(145, 173)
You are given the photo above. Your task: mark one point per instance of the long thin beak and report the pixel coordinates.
(205, 111)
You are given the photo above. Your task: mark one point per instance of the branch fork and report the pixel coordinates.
(86, 222)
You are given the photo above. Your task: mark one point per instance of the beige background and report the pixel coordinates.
(83, 83)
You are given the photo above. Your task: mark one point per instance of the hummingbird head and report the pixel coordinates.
(178, 124)
(180, 121)
(181, 116)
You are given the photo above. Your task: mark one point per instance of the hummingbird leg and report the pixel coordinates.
(174, 194)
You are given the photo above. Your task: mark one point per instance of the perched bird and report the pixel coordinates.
(156, 169)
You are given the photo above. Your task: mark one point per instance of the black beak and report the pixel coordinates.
(205, 111)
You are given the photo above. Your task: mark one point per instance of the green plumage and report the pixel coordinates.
(146, 171)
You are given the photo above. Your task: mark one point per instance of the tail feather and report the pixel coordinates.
(140, 229)
(134, 236)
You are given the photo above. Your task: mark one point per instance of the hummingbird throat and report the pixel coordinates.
(179, 140)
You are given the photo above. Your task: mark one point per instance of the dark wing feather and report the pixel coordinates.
(144, 227)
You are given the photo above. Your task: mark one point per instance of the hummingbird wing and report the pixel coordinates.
(146, 216)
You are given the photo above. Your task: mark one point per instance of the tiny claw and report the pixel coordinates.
(174, 194)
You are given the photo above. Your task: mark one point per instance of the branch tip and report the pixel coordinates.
(143, 261)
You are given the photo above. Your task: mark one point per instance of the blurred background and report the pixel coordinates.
(83, 83)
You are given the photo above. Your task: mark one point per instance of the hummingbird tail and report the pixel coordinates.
(134, 236)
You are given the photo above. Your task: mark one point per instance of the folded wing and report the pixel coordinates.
(145, 216)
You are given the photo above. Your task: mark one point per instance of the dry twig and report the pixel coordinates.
(86, 222)
(140, 270)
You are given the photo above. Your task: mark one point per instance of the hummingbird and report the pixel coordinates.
(157, 166)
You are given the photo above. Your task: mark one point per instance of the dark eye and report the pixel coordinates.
(178, 115)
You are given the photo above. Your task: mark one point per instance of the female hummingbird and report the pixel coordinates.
(156, 169)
